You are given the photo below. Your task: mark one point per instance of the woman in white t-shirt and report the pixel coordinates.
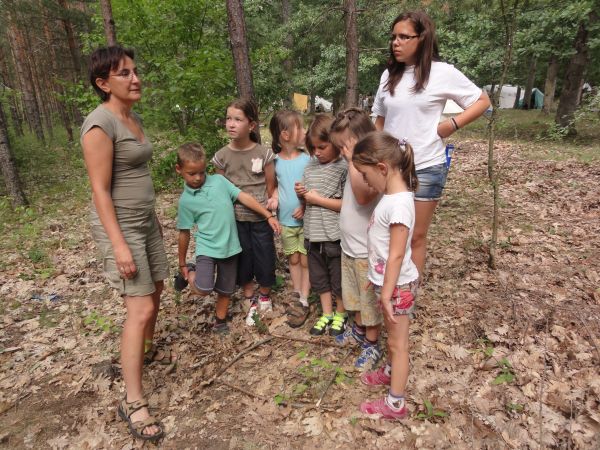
(411, 97)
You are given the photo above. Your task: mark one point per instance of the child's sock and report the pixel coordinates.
(360, 330)
(217, 320)
(303, 300)
(396, 402)
(387, 369)
(343, 315)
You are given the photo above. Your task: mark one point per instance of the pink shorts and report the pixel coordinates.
(403, 298)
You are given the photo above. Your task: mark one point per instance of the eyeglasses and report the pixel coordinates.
(127, 74)
(402, 37)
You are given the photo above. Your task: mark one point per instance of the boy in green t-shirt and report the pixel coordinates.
(207, 203)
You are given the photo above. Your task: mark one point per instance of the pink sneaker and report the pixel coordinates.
(376, 377)
(382, 408)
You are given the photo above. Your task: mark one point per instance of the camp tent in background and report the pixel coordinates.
(507, 96)
(322, 105)
(537, 99)
(300, 102)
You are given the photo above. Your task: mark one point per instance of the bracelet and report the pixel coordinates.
(454, 124)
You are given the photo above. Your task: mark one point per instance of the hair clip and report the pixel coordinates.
(402, 144)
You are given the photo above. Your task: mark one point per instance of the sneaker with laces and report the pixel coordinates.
(382, 408)
(321, 326)
(220, 328)
(338, 324)
(376, 378)
(349, 336)
(264, 303)
(250, 317)
(369, 356)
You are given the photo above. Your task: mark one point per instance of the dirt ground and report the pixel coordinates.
(499, 359)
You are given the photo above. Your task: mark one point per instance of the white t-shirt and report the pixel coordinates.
(391, 209)
(416, 116)
(354, 219)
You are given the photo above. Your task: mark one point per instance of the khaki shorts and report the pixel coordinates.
(141, 232)
(292, 239)
(358, 293)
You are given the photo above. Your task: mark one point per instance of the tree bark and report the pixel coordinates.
(8, 167)
(25, 76)
(530, 81)
(288, 67)
(351, 54)
(550, 85)
(109, 23)
(239, 48)
(570, 95)
(73, 49)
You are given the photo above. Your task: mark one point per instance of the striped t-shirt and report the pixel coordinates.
(322, 224)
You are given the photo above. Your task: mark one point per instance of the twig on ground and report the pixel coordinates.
(335, 374)
(590, 334)
(541, 427)
(234, 360)
(307, 341)
(15, 403)
(10, 350)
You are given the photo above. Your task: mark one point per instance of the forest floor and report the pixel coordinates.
(499, 359)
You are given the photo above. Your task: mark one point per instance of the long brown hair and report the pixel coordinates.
(427, 51)
(284, 120)
(250, 110)
(379, 146)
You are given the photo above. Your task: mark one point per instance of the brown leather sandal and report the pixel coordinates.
(125, 411)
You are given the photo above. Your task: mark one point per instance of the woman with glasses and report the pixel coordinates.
(124, 223)
(409, 103)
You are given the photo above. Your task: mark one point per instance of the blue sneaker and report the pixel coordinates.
(369, 357)
(349, 336)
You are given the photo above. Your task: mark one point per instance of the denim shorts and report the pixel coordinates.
(226, 274)
(431, 183)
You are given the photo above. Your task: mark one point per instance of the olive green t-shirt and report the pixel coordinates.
(246, 170)
(131, 185)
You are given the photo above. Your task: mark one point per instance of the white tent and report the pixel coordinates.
(323, 104)
(507, 96)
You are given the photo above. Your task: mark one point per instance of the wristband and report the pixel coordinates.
(456, 127)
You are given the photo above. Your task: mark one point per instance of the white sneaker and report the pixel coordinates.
(250, 317)
(265, 305)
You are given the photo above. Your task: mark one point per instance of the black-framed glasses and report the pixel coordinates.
(403, 37)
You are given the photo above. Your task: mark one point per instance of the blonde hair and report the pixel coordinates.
(190, 152)
(379, 146)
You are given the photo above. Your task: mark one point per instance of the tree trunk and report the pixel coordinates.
(239, 48)
(517, 98)
(109, 23)
(8, 167)
(351, 54)
(570, 95)
(25, 76)
(288, 67)
(550, 85)
(73, 50)
(529, 85)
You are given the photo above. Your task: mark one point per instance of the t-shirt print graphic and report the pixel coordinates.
(257, 164)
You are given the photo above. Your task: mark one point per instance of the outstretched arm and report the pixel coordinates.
(250, 202)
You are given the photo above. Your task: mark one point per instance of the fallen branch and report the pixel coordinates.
(15, 403)
(234, 360)
(321, 343)
(10, 350)
(335, 373)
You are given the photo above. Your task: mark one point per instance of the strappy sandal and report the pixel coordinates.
(125, 411)
(297, 314)
(161, 355)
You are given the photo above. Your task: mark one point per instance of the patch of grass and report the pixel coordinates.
(98, 324)
(506, 375)
(429, 412)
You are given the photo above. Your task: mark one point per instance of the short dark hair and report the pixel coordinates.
(319, 129)
(190, 152)
(102, 61)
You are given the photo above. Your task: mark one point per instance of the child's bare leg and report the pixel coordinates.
(295, 271)
(372, 332)
(326, 303)
(398, 348)
(305, 282)
(339, 304)
(249, 289)
(222, 306)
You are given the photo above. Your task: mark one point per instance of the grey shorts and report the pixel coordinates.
(226, 274)
(142, 234)
(431, 183)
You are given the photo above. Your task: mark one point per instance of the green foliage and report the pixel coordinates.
(507, 374)
(98, 324)
(430, 412)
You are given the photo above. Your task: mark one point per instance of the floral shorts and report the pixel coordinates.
(403, 298)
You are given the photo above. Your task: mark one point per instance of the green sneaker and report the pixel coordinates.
(321, 326)
(338, 324)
